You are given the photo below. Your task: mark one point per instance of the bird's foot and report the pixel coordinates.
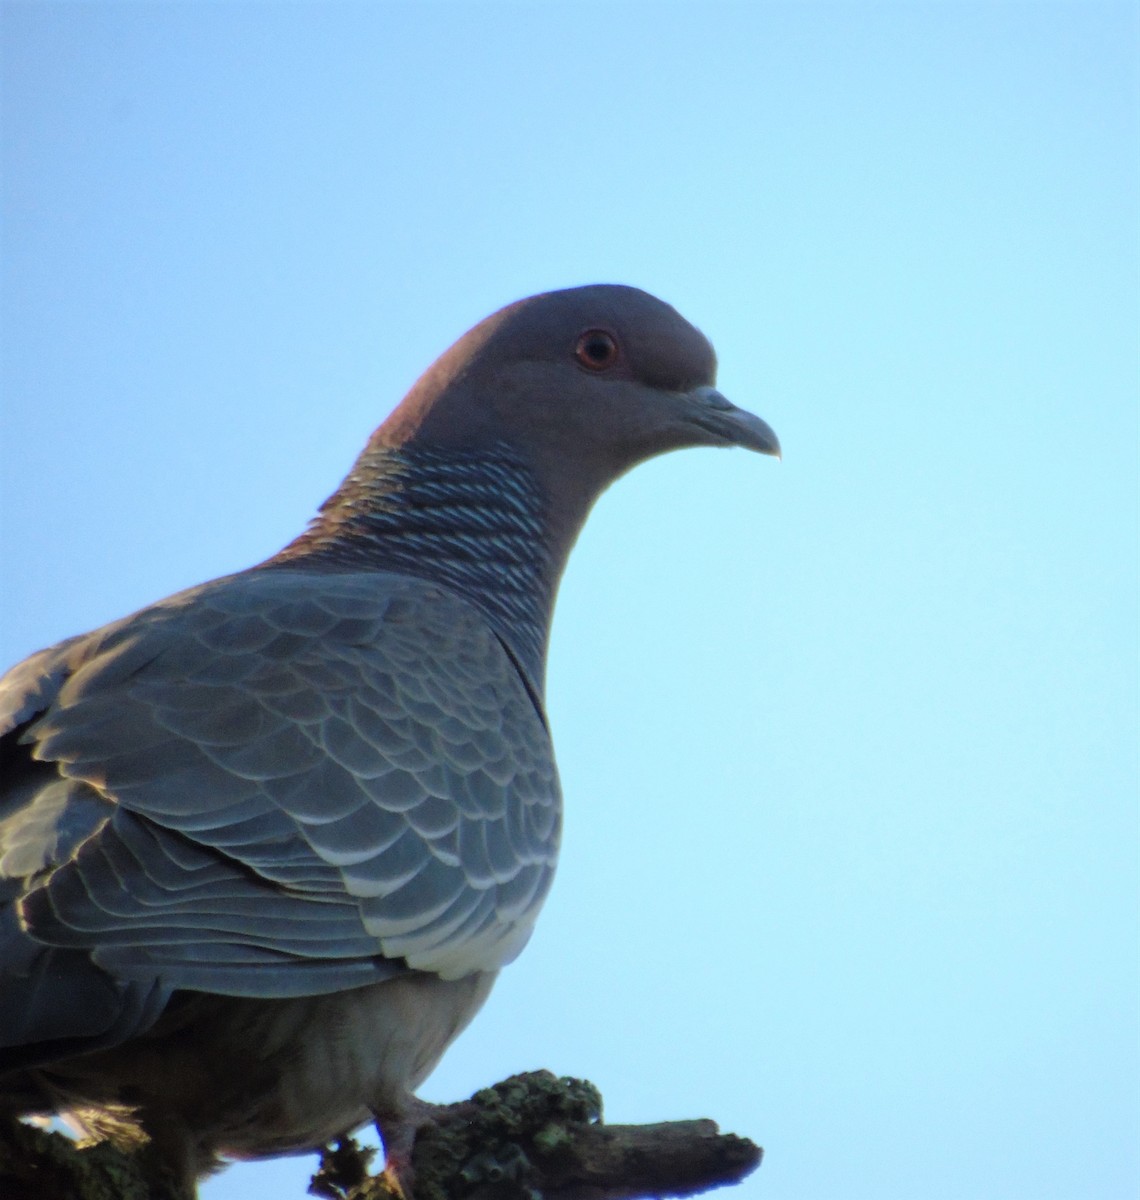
(398, 1131)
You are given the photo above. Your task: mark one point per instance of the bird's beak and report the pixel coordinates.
(731, 426)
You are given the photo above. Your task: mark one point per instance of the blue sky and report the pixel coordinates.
(848, 742)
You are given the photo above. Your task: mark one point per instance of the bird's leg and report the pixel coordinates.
(398, 1128)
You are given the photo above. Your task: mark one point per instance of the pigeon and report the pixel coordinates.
(266, 844)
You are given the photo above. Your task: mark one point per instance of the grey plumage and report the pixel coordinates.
(265, 844)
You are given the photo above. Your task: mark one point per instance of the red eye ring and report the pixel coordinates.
(596, 350)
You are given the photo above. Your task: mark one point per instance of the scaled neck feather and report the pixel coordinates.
(475, 523)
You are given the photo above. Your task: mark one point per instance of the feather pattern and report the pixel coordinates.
(285, 783)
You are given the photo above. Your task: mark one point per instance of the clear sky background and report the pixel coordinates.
(848, 742)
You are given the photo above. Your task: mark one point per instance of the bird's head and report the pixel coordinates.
(582, 384)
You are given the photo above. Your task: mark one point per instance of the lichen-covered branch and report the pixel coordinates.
(532, 1136)
(536, 1136)
(38, 1165)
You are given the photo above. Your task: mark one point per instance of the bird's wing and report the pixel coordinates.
(278, 783)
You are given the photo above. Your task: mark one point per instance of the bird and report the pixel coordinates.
(266, 844)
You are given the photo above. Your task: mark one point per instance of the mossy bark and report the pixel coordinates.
(531, 1137)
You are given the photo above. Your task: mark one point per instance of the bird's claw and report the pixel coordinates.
(398, 1132)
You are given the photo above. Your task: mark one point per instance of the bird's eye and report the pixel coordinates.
(596, 350)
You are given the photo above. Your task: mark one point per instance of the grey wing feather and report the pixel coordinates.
(277, 784)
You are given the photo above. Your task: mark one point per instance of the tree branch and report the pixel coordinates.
(532, 1136)
(535, 1135)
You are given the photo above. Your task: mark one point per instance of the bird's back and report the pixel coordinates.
(283, 783)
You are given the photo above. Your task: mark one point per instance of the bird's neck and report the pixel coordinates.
(476, 524)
